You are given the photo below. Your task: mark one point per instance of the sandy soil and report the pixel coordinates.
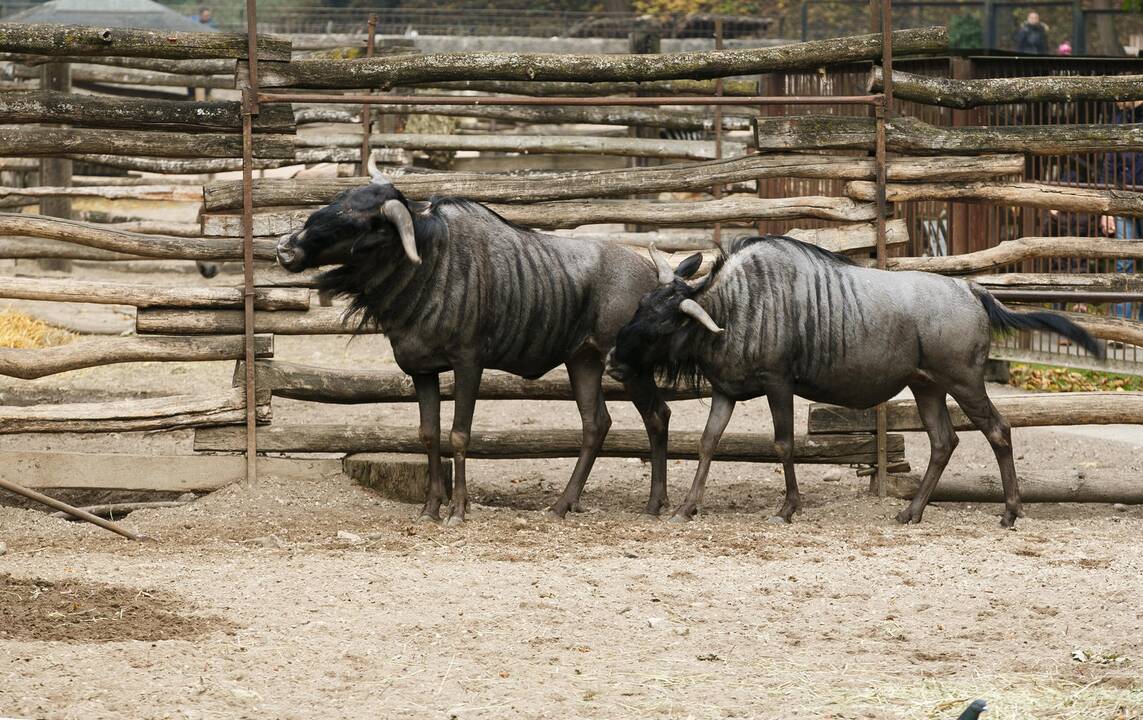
(251, 605)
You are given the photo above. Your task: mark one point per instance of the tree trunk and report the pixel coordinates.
(68, 40)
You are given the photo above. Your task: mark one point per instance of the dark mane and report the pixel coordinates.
(467, 205)
(744, 242)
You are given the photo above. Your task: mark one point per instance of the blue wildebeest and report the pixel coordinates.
(457, 287)
(779, 317)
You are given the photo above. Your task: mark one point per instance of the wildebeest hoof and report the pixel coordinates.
(777, 520)
(905, 517)
(556, 512)
(1008, 520)
(428, 518)
(454, 520)
(683, 516)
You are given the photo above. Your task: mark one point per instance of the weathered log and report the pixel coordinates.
(738, 88)
(1028, 248)
(134, 114)
(152, 246)
(1037, 410)
(573, 213)
(110, 79)
(162, 193)
(178, 166)
(912, 137)
(617, 182)
(79, 40)
(1042, 195)
(217, 66)
(1037, 489)
(1109, 328)
(315, 321)
(515, 444)
(156, 227)
(965, 94)
(29, 248)
(40, 362)
(853, 238)
(106, 293)
(387, 72)
(166, 413)
(1077, 282)
(334, 385)
(25, 142)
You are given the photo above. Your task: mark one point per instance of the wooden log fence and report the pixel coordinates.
(1015, 251)
(29, 364)
(1108, 328)
(144, 296)
(1041, 195)
(1072, 282)
(153, 193)
(738, 88)
(966, 94)
(316, 321)
(80, 40)
(44, 141)
(215, 66)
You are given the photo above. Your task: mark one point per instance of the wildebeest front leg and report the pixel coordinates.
(429, 401)
(934, 412)
(721, 408)
(585, 370)
(656, 418)
(782, 412)
(467, 385)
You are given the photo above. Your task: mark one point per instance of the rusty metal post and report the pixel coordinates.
(249, 110)
(367, 110)
(884, 112)
(717, 189)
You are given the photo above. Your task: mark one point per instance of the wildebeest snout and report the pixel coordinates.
(290, 256)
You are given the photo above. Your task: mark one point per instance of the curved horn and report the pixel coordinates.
(692, 308)
(396, 212)
(666, 274)
(375, 172)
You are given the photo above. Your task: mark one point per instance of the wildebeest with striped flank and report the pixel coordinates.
(457, 287)
(779, 317)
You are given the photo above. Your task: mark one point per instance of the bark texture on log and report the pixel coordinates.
(161, 193)
(28, 142)
(1102, 282)
(737, 88)
(137, 295)
(1047, 409)
(136, 114)
(1028, 248)
(965, 94)
(30, 248)
(512, 444)
(178, 166)
(1041, 195)
(219, 66)
(41, 362)
(166, 413)
(69, 40)
(387, 72)
(315, 321)
(957, 488)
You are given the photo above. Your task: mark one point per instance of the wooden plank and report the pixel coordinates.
(153, 193)
(137, 295)
(72, 40)
(1037, 410)
(515, 444)
(159, 473)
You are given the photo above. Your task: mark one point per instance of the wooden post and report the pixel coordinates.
(55, 172)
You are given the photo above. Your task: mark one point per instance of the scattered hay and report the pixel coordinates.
(18, 330)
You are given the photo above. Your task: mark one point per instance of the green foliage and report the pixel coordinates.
(1135, 6)
(965, 31)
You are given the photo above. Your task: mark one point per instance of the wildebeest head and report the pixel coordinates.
(645, 343)
(365, 218)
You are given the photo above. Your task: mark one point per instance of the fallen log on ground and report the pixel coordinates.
(674, 177)
(738, 88)
(70, 40)
(1014, 251)
(387, 72)
(907, 135)
(516, 444)
(987, 488)
(167, 413)
(29, 364)
(145, 296)
(64, 507)
(1041, 195)
(965, 94)
(1037, 410)
(28, 142)
(138, 114)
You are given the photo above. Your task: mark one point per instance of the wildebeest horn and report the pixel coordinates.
(666, 274)
(375, 172)
(396, 212)
(692, 308)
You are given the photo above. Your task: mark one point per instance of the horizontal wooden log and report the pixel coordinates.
(1108, 328)
(79, 40)
(152, 246)
(107, 80)
(1077, 282)
(1037, 410)
(316, 321)
(387, 72)
(907, 135)
(165, 413)
(107, 293)
(191, 166)
(153, 473)
(516, 444)
(335, 385)
(111, 511)
(1028, 248)
(29, 248)
(573, 213)
(159, 193)
(965, 94)
(1042, 195)
(217, 66)
(738, 88)
(853, 238)
(137, 114)
(56, 142)
(1037, 489)
(41, 362)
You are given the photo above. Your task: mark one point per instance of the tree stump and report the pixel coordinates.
(396, 476)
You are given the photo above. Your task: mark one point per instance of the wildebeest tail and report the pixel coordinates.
(1004, 320)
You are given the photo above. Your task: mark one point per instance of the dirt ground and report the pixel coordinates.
(252, 606)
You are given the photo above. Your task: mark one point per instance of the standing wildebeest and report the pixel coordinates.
(457, 287)
(800, 320)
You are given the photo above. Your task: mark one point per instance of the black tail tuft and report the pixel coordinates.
(1003, 319)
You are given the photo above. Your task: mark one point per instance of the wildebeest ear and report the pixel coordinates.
(689, 266)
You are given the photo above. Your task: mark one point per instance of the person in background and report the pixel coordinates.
(206, 17)
(1032, 37)
(1124, 170)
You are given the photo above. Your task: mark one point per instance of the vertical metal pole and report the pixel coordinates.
(884, 111)
(717, 189)
(249, 110)
(1079, 29)
(989, 25)
(367, 110)
(805, 13)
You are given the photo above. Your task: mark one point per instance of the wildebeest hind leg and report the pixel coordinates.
(429, 402)
(585, 371)
(465, 389)
(973, 400)
(934, 412)
(782, 411)
(721, 408)
(656, 418)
